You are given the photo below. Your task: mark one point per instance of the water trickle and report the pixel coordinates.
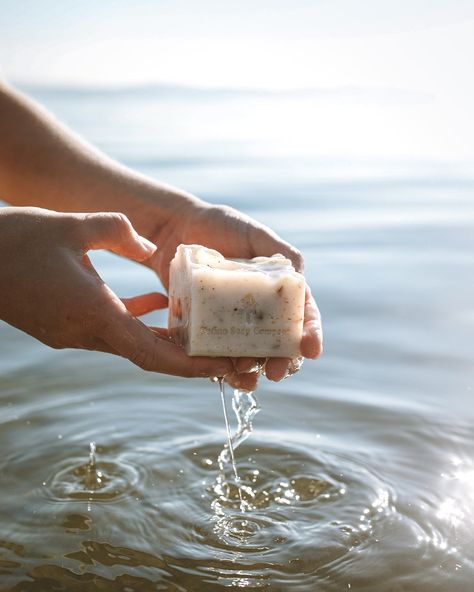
(223, 459)
(245, 406)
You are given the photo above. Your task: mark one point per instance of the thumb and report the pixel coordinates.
(114, 231)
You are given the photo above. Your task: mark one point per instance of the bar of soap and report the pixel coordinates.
(235, 307)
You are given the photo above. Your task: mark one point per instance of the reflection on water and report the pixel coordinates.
(359, 474)
(456, 508)
(315, 515)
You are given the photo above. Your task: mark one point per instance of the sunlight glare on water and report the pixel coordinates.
(358, 473)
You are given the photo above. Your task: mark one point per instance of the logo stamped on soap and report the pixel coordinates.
(242, 331)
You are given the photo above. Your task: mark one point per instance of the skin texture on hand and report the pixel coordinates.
(51, 291)
(42, 163)
(236, 235)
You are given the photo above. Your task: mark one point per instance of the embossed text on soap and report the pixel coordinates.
(245, 331)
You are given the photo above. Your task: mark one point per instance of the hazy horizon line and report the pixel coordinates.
(367, 91)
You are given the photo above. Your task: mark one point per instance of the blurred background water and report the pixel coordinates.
(366, 455)
(348, 131)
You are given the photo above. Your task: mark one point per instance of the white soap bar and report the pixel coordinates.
(225, 307)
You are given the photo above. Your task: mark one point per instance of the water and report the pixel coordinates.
(360, 468)
(245, 406)
(227, 453)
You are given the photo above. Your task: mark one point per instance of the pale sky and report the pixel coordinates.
(416, 44)
(419, 50)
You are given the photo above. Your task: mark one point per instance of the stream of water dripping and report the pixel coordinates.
(245, 406)
(230, 447)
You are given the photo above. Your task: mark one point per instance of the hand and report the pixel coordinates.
(41, 158)
(51, 290)
(236, 235)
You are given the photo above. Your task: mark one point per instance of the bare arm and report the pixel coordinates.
(42, 163)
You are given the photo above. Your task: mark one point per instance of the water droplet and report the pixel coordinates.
(93, 481)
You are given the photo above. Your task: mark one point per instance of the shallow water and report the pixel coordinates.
(360, 469)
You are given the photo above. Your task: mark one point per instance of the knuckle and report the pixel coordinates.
(119, 222)
(73, 225)
(112, 223)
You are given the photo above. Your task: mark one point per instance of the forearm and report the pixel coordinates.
(42, 163)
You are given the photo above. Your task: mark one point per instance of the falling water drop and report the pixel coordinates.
(93, 477)
(92, 451)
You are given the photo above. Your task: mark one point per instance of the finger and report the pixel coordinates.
(113, 231)
(145, 303)
(265, 242)
(241, 366)
(243, 382)
(277, 368)
(246, 365)
(246, 370)
(149, 350)
(312, 339)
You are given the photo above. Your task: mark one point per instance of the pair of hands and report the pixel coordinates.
(51, 290)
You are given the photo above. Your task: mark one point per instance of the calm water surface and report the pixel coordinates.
(360, 470)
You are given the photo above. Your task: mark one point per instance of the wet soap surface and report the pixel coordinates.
(386, 414)
(222, 307)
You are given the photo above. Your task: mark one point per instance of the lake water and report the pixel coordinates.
(362, 463)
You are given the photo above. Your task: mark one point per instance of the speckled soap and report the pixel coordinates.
(235, 307)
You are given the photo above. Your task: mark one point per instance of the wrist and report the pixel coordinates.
(154, 207)
(149, 205)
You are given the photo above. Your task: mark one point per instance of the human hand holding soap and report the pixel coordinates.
(114, 200)
(236, 308)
